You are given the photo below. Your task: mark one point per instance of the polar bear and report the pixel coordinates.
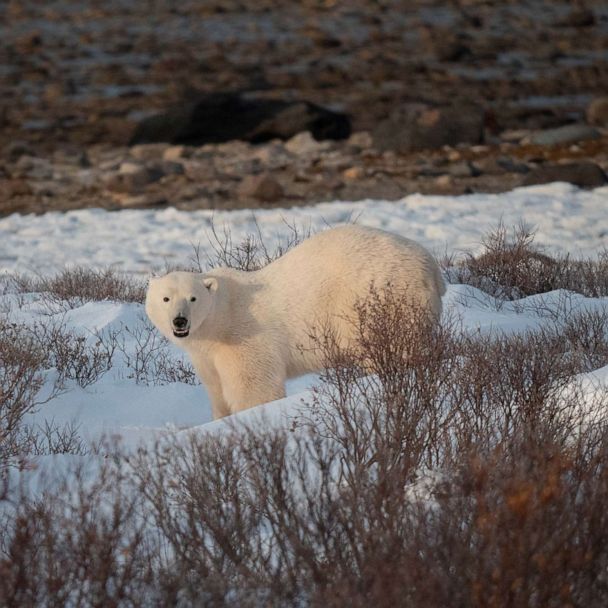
(245, 331)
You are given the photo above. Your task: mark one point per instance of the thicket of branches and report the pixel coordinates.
(430, 468)
(511, 265)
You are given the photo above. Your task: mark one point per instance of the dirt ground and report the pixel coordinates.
(76, 77)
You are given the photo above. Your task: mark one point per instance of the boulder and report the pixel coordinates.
(132, 178)
(581, 174)
(16, 149)
(304, 144)
(175, 153)
(13, 187)
(148, 152)
(597, 112)
(224, 117)
(430, 128)
(464, 168)
(33, 167)
(262, 187)
(568, 134)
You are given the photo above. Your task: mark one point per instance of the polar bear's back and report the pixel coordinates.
(329, 272)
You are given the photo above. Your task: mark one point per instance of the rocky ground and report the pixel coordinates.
(443, 96)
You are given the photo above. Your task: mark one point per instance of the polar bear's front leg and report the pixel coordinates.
(219, 407)
(213, 386)
(250, 377)
(243, 394)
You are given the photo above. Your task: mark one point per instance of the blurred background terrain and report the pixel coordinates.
(244, 103)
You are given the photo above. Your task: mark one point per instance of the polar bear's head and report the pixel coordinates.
(179, 302)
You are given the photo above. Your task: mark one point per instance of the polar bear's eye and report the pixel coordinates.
(165, 299)
(192, 299)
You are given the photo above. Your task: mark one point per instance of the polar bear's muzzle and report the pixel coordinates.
(181, 327)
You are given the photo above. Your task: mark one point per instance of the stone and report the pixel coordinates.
(14, 187)
(450, 48)
(597, 112)
(174, 153)
(199, 171)
(578, 17)
(72, 156)
(54, 92)
(141, 201)
(272, 156)
(17, 149)
(262, 187)
(430, 128)
(128, 168)
(148, 151)
(304, 144)
(361, 140)
(34, 167)
(132, 178)
(512, 166)
(221, 117)
(581, 174)
(353, 173)
(464, 169)
(169, 167)
(443, 181)
(26, 43)
(568, 134)
(514, 135)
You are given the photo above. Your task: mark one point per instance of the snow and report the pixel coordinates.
(120, 405)
(567, 219)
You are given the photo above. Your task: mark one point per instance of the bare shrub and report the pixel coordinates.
(513, 266)
(73, 287)
(432, 469)
(168, 369)
(590, 277)
(146, 354)
(338, 512)
(250, 254)
(72, 355)
(521, 525)
(82, 545)
(51, 438)
(37, 361)
(586, 337)
(394, 382)
(22, 366)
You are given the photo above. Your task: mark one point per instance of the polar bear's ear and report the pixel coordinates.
(210, 283)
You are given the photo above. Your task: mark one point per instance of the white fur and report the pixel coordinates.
(247, 329)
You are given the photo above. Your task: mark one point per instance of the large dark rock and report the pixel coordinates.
(430, 128)
(223, 117)
(582, 174)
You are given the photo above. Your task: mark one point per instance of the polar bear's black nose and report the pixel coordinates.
(180, 322)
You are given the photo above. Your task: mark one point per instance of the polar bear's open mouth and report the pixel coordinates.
(181, 333)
